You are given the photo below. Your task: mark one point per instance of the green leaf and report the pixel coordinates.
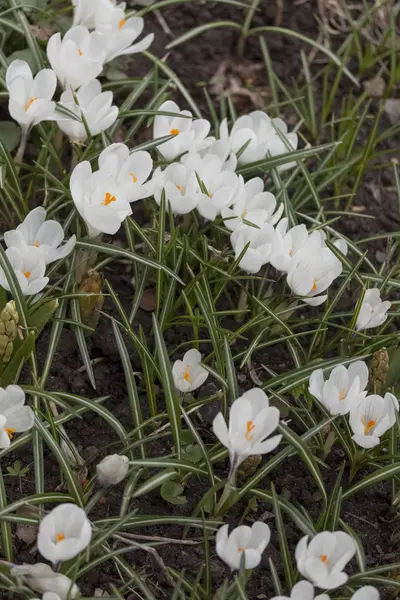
(25, 55)
(171, 491)
(306, 455)
(10, 134)
(154, 482)
(380, 475)
(170, 391)
(283, 543)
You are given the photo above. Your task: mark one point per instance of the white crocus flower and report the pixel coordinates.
(323, 559)
(91, 105)
(189, 134)
(343, 390)
(85, 11)
(30, 98)
(102, 198)
(287, 244)
(280, 141)
(101, 202)
(219, 181)
(243, 542)
(29, 268)
(44, 580)
(312, 273)
(78, 57)
(14, 416)
(303, 590)
(112, 469)
(260, 240)
(251, 204)
(131, 170)
(180, 185)
(36, 232)
(368, 592)
(119, 32)
(188, 373)
(373, 312)
(372, 417)
(251, 422)
(50, 596)
(255, 135)
(64, 533)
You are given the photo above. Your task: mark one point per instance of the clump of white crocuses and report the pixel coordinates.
(243, 544)
(323, 559)
(42, 579)
(103, 197)
(343, 390)
(112, 469)
(64, 533)
(91, 109)
(373, 312)
(251, 422)
(188, 373)
(15, 417)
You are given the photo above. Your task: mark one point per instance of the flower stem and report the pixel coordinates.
(227, 492)
(19, 157)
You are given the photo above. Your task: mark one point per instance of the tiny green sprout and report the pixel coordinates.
(18, 470)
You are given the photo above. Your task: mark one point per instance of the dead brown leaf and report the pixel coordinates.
(27, 533)
(392, 109)
(148, 301)
(375, 87)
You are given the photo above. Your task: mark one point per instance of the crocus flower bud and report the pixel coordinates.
(112, 469)
(44, 580)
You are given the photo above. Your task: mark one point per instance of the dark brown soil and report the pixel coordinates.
(196, 62)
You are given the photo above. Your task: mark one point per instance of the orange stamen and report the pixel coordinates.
(324, 558)
(37, 244)
(80, 52)
(60, 537)
(249, 429)
(186, 376)
(314, 287)
(241, 549)
(108, 198)
(29, 103)
(27, 274)
(368, 425)
(9, 431)
(121, 23)
(174, 131)
(342, 394)
(133, 177)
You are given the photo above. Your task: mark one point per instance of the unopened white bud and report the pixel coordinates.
(112, 469)
(42, 579)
